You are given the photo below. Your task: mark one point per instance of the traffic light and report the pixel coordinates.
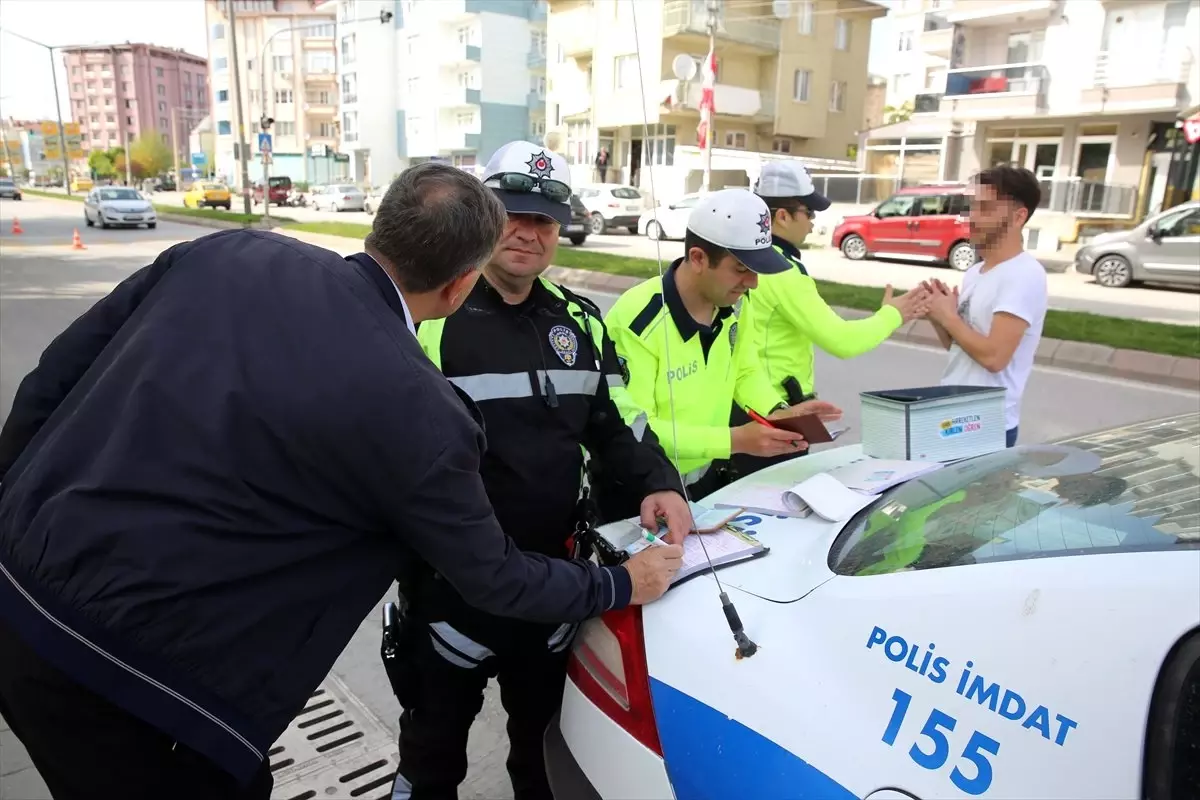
(266, 122)
(385, 17)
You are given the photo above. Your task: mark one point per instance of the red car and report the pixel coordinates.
(924, 223)
(278, 187)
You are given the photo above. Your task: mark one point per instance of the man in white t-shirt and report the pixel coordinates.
(992, 326)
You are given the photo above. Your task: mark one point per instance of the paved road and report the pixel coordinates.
(1069, 290)
(44, 285)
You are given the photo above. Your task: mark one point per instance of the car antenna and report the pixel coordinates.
(745, 646)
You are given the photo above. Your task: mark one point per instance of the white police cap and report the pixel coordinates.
(540, 182)
(740, 222)
(789, 179)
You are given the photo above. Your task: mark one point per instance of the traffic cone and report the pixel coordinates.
(17, 226)
(76, 242)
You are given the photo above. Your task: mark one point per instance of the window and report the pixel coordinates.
(800, 85)
(659, 148)
(898, 81)
(538, 42)
(162, 122)
(74, 70)
(187, 79)
(220, 64)
(349, 88)
(158, 72)
(466, 80)
(222, 95)
(321, 98)
(1180, 223)
(90, 68)
(735, 139)
(108, 101)
(349, 49)
(129, 120)
(466, 119)
(625, 72)
(841, 34)
(106, 84)
(537, 85)
(223, 128)
(129, 104)
(900, 205)
(322, 31)
(162, 90)
(187, 93)
(781, 146)
(465, 35)
(350, 122)
(837, 96)
(283, 96)
(165, 138)
(325, 130)
(283, 128)
(162, 106)
(904, 41)
(110, 118)
(125, 86)
(320, 62)
(804, 17)
(281, 63)
(217, 31)
(579, 137)
(76, 87)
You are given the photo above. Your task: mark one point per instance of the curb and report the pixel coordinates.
(201, 222)
(1175, 371)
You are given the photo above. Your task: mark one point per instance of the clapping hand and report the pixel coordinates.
(943, 303)
(913, 304)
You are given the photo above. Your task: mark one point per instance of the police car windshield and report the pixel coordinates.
(1138, 490)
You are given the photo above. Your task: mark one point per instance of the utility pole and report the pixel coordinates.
(62, 132)
(237, 101)
(128, 161)
(4, 132)
(175, 143)
(709, 132)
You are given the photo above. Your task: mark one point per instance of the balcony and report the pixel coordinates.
(320, 109)
(1138, 81)
(536, 59)
(754, 32)
(1005, 90)
(535, 101)
(458, 53)
(458, 97)
(1088, 198)
(987, 13)
(577, 33)
(928, 103)
(730, 101)
(457, 139)
(937, 37)
(320, 76)
(317, 42)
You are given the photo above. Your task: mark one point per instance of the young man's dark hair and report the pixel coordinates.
(1013, 183)
(435, 224)
(715, 253)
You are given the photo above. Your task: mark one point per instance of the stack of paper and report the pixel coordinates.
(835, 495)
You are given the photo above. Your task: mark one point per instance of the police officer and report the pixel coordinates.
(677, 340)
(535, 359)
(786, 317)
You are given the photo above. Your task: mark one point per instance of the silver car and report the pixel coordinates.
(1165, 248)
(118, 206)
(340, 197)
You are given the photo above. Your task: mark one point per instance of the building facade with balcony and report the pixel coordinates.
(1074, 90)
(451, 80)
(122, 92)
(785, 87)
(288, 72)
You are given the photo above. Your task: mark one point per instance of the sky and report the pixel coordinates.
(26, 87)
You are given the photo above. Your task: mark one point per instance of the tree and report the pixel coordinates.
(894, 114)
(101, 164)
(148, 157)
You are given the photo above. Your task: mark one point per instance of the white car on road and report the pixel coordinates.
(669, 220)
(116, 206)
(1023, 625)
(611, 205)
(339, 197)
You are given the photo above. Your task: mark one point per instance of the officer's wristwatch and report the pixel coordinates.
(780, 407)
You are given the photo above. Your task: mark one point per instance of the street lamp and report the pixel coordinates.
(62, 132)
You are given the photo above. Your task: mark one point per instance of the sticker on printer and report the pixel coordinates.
(956, 426)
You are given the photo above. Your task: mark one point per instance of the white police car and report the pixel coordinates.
(1022, 625)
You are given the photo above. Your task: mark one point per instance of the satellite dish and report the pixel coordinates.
(684, 67)
(782, 9)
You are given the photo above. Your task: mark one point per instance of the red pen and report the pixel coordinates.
(759, 418)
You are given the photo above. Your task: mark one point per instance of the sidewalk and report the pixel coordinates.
(18, 778)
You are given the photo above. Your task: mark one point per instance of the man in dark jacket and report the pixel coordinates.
(213, 475)
(537, 360)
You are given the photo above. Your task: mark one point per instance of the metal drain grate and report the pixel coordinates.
(335, 749)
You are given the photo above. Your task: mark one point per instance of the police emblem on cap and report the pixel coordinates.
(565, 345)
(623, 365)
(764, 222)
(539, 165)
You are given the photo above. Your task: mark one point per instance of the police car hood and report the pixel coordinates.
(799, 548)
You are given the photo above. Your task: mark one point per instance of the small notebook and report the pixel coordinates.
(821, 494)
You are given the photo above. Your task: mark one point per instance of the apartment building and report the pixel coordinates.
(1085, 93)
(791, 86)
(122, 92)
(288, 73)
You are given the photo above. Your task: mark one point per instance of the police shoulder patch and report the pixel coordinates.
(623, 365)
(565, 344)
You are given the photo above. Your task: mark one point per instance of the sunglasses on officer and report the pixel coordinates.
(557, 191)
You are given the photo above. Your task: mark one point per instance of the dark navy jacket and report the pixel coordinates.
(214, 474)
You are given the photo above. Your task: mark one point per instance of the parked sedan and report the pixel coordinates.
(611, 205)
(1165, 248)
(340, 197)
(117, 206)
(9, 189)
(1020, 626)
(668, 221)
